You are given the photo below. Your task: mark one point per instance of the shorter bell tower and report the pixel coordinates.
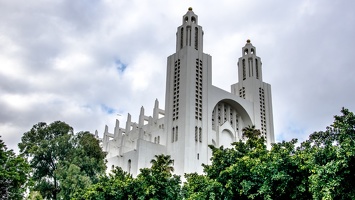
(251, 87)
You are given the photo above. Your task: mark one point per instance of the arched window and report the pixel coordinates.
(193, 19)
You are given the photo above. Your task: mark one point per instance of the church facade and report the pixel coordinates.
(196, 114)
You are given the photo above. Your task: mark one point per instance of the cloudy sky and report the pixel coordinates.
(89, 62)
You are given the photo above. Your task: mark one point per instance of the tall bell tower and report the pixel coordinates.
(188, 74)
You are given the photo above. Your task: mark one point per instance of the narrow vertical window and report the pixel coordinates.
(213, 118)
(173, 135)
(250, 64)
(177, 134)
(256, 68)
(196, 38)
(181, 38)
(244, 72)
(188, 36)
(196, 134)
(200, 134)
(158, 139)
(129, 166)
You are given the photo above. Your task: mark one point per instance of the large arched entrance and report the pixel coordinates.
(228, 120)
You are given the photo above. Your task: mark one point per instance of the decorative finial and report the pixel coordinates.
(190, 8)
(248, 41)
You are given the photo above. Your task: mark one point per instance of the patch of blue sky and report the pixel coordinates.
(120, 66)
(107, 109)
(292, 131)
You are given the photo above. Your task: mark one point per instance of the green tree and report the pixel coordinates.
(13, 174)
(158, 182)
(332, 160)
(250, 171)
(118, 185)
(35, 195)
(62, 162)
(242, 179)
(71, 179)
(231, 167)
(323, 167)
(284, 174)
(200, 187)
(88, 155)
(46, 145)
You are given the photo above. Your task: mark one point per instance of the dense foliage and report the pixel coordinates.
(71, 166)
(155, 183)
(62, 163)
(13, 174)
(323, 167)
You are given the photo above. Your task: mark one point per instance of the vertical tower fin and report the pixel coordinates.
(117, 128)
(156, 110)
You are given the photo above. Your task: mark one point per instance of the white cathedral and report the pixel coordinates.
(197, 114)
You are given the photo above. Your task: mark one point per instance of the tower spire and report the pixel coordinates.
(189, 33)
(249, 64)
